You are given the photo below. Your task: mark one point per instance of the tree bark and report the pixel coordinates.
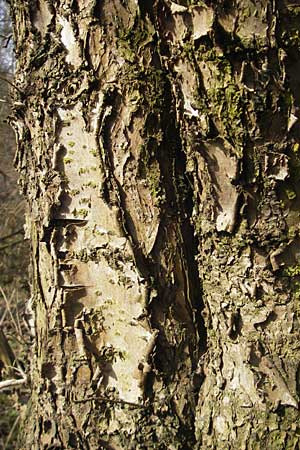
(158, 150)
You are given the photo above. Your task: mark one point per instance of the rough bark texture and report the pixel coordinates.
(158, 149)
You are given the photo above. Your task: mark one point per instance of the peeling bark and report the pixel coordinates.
(158, 149)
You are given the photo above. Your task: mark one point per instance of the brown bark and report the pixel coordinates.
(158, 152)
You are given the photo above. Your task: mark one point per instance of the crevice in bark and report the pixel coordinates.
(190, 246)
(97, 11)
(146, 7)
(175, 241)
(178, 210)
(113, 187)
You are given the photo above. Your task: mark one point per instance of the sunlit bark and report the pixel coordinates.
(158, 151)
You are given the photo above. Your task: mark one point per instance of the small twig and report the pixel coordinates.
(18, 370)
(3, 174)
(11, 433)
(6, 38)
(12, 84)
(11, 244)
(7, 41)
(9, 309)
(3, 317)
(18, 317)
(7, 236)
(12, 383)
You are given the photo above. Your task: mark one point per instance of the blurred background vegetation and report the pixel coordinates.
(14, 259)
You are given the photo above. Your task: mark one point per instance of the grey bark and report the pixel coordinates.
(158, 149)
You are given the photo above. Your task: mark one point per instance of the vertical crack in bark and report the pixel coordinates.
(169, 266)
(190, 246)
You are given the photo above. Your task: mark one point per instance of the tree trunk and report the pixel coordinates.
(158, 149)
